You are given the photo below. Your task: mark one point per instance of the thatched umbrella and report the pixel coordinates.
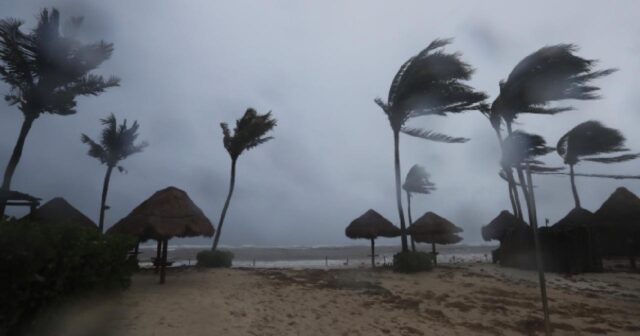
(166, 214)
(500, 226)
(619, 223)
(572, 243)
(59, 211)
(431, 228)
(371, 225)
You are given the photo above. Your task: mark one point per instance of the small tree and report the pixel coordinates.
(586, 142)
(249, 132)
(117, 142)
(416, 182)
(46, 71)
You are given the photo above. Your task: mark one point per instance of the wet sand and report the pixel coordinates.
(474, 299)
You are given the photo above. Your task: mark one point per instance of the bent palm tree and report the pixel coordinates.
(249, 132)
(117, 142)
(46, 71)
(417, 181)
(551, 74)
(586, 142)
(429, 83)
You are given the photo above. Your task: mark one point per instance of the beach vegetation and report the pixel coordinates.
(215, 259)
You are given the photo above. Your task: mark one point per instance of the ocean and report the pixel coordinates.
(315, 257)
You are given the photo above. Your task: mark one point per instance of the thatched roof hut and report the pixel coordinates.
(431, 228)
(618, 224)
(59, 211)
(166, 214)
(576, 217)
(499, 227)
(371, 225)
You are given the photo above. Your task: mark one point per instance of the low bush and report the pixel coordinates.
(42, 264)
(213, 259)
(412, 262)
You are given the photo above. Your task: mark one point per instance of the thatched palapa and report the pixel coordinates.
(58, 211)
(434, 229)
(500, 226)
(618, 224)
(371, 225)
(166, 214)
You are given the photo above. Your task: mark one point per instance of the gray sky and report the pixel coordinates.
(186, 66)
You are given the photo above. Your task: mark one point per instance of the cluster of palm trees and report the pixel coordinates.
(47, 70)
(433, 82)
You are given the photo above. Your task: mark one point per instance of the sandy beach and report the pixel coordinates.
(473, 299)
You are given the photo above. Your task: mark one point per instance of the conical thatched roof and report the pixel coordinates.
(431, 228)
(622, 206)
(59, 211)
(576, 217)
(501, 225)
(371, 225)
(442, 239)
(167, 213)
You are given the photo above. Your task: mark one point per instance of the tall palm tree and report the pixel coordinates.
(553, 73)
(429, 83)
(587, 142)
(249, 132)
(117, 142)
(46, 71)
(416, 182)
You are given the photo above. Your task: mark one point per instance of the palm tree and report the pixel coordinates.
(587, 142)
(46, 71)
(429, 83)
(117, 142)
(553, 73)
(417, 181)
(249, 132)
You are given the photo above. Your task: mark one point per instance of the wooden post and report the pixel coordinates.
(373, 253)
(540, 265)
(433, 252)
(164, 260)
(158, 255)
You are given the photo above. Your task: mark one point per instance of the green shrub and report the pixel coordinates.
(42, 264)
(217, 258)
(411, 262)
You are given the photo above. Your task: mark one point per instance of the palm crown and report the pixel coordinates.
(430, 83)
(550, 74)
(117, 142)
(47, 70)
(590, 139)
(417, 181)
(249, 132)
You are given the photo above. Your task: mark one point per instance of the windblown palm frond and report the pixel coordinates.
(592, 138)
(249, 132)
(117, 142)
(430, 83)
(46, 70)
(552, 73)
(520, 147)
(417, 181)
(431, 135)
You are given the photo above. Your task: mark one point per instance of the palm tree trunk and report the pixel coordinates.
(513, 190)
(573, 186)
(103, 201)
(403, 229)
(15, 158)
(373, 253)
(523, 183)
(232, 183)
(413, 241)
(539, 262)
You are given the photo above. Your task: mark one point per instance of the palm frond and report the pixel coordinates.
(117, 142)
(417, 181)
(614, 159)
(432, 136)
(588, 139)
(520, 147)
(249, 132)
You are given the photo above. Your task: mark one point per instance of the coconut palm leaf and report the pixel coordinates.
(117, 142)
(614, 159)
(417, 181)
(249, 132)
(432, 136)
(520, 147)
(591, 138)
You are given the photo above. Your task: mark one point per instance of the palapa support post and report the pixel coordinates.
(434, 253)
(163, 262)
(534, 226)
(373, 255)
(158, 255)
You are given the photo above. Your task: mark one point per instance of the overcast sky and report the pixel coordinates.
(186, 66)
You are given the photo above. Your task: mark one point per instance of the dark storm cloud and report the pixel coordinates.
(187, 66)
